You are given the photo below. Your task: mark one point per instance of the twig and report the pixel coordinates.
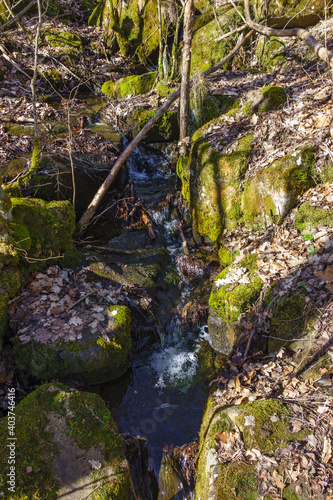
(11, 21)
(80, 300)
(226, 35)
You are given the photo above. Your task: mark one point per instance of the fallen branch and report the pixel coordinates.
(11, 21)
(11, 61)
(323, 53)
(86, 217)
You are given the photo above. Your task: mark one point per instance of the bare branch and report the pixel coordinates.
(11, 21)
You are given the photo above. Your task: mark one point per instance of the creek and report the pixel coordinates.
(161, 397)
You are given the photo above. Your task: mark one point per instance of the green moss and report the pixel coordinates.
(267, 434)
(275, 98)
(206, 51)
(250, 262)
(165, 129)
(225, 256)
(229, 304)
(17, 130)
(53, 425)
(211, 362)
(44, 230)
(274, 191)
(182, 169)
(238, 481)
(130, 85)
(309, 217)
(63, 39)
(205, 107)
(163, 90)
(35, 157)
(10, 284)
(288, 321)
(270, 52)
(214, 185)
(327, 173)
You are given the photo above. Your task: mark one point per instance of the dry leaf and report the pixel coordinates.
(327, 450)
(95, 464)
(326, 275)
(278, 480)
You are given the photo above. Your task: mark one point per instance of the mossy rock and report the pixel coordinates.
(142, 268)
(308, 217)
(64, 39)
(214, 179)
(206, 51)
(226, 304)
(226, 257)
(95, 358)
(210, 361)
(129, 86)
(205, 107)
(67, 446)
(44, 230)
(270, 53)
(258, 430)
(286, 13)
(163, 90)
(274, 191)
(166, 129)
(292, 318)
(264, 100)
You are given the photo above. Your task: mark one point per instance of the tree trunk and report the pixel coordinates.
(160, 42)
(185, 74)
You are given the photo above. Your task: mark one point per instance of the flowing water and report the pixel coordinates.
(161, 398)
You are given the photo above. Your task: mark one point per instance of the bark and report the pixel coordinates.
(88, 214)
(33, 80)
(160, 42)
(185, 74)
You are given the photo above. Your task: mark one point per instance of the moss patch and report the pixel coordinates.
(57, 432)
(274, 191)
(229, 304)
(63, 39)
(165, 129)
(309, 217)
(129, 86)
(214, 185)
(264, 100)
(44, 230)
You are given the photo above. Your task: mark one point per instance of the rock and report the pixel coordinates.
(264, 100)
(211, 182)
(166, 129)
(63, 39)
(91, 357)
(273, 192)
(129, 86)
(43, 230)
(67, 446)
(206, 49)
(283, 13)
(228, 431)
(270, 53)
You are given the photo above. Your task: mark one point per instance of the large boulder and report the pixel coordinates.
(66, 446)
(283, 13)
(61, 333)
(211, 183)
(258, 429)
(274, 190)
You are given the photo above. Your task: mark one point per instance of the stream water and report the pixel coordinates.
(161, 398)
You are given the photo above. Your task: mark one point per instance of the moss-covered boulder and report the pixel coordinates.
(284, 13)
(234, 291)
(43, 230)
(166, 129)
(204, 106)
(292, 318)
(308, 217)
(129, 86)
(67, 446)
(212, 180)
(89, 357)
(273, 192)
(270, 53)
(207, 50)
(210, 361)
(262, 425)
(264, 100)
